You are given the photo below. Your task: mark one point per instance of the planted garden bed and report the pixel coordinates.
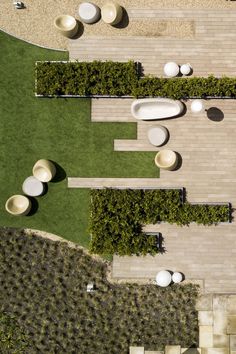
(116, 79)
(117, 217)
(44, 286)
(73, 79)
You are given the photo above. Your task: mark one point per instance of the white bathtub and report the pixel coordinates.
(156, 108)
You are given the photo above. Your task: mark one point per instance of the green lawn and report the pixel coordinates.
(60, 130)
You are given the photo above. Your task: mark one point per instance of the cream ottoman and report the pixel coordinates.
(88, 12)
(158, 135)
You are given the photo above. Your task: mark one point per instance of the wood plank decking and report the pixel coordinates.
(211, 51)
(97, 183)
(206, 143)
(207, 146)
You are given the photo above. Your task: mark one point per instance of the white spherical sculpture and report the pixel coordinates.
(171, 69)
(185, 69)
(197, 106)
(163, 278)
(177, 277)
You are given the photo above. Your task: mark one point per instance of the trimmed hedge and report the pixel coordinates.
(86, 78)
(122, 79)
(177, 88)
(117, 217)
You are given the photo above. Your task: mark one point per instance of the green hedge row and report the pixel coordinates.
(117, 217)
(122, 79)
(85, 78)
(177, 88)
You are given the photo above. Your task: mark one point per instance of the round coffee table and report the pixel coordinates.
(32, 187)
(158, 135)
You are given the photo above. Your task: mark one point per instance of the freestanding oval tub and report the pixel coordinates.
(156, 108)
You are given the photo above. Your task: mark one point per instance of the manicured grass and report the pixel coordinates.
(44, 284)
(59, 130)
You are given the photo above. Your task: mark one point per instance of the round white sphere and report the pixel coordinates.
(185, 69)
(177, 277)
(171, 69)
(197, 106)
(163, 278)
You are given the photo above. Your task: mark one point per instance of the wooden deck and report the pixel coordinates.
(206, 143)
(211, 51)
(121, 183)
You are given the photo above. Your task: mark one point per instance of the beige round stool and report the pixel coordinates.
(89, 12)
(66, 25)
(111, 13)
(32, 186)
(158, 135)
(18, 205)
(44, 170)
(166, 159)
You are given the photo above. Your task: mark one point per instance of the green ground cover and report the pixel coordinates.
(60, 130)
(117, 218)
(12, 339)
(43, 284)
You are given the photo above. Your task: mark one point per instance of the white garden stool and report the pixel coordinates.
(32, 187)
(158, 135)
(185, 69)
(171, 69)
(163, 278)
(197, 106)
(177, 277)
(88, 12)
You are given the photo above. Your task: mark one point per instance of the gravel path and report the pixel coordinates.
(35, 22)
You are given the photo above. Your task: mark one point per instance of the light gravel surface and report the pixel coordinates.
(35, 22)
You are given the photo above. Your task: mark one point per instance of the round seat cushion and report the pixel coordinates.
(32, 186)
(88, 12)
(158, 135)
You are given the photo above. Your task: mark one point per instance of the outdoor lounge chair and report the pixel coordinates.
(44, 170)
(111, 13)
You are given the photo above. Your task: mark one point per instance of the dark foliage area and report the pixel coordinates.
(12, 338)
(43, 285)
(122, 79)
(117, 217)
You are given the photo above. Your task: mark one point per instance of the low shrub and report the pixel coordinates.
(44, 287)
(117, 217)
(12, 337)
(122, 79)
(86, 78)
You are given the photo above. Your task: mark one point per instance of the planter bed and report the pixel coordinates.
(122, 79)
(117, 217)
